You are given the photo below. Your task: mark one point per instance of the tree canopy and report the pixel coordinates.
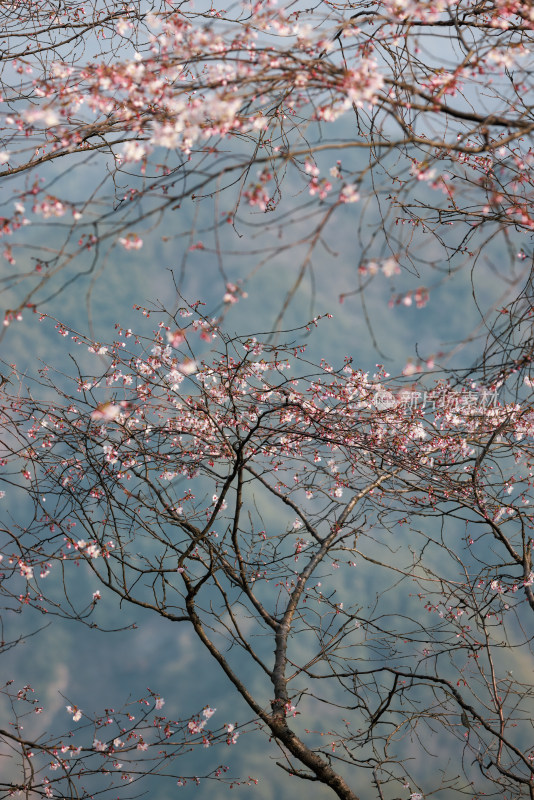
(351, 549)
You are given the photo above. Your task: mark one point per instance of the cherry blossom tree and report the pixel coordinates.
(416, 114)
(354, 554)
(353, 551)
